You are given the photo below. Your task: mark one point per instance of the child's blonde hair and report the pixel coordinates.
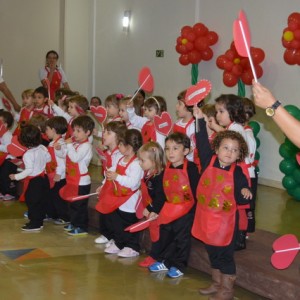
(155, 154)
(27, 93)
(113, 99)
(81, 101)
(158, 102)
(209, 110)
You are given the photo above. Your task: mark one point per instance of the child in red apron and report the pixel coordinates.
(176, 217)
(40, 98)
(36, 184)
(154, 105)
(152, 161)
(222, 187)
(57, 208)
(120, 194)
(111, 136)
(78, 180)
(111, 104)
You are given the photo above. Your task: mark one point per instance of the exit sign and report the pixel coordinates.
(160, 53)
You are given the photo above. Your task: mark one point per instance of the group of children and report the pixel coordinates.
(146, 174)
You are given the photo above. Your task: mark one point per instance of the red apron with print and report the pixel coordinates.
(25, 116)
(70, 189)
(55, 83)
(112, 195)
(214, 220)
(148, 132)
(178, 192)
(52, 165)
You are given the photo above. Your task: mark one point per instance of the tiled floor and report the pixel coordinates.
(53, 265)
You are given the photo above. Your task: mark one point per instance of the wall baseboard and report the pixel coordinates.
(270, 182)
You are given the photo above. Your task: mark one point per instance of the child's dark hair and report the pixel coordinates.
(249, 108)
(209, 110)
(84, 122)
(59, 124)
(41, 90)
(7, 118)
(52, 52)
(81, 101)
(179, 138)
(142, 92)
(39, 121)
(133, 138)
(234, 106)
(30, 136)
(98, 99)
(158, 102)
(232, 135)
(119, 128)
(64, 92)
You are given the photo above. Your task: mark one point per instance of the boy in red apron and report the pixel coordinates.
(40, 98)
(222, 187)
(176, 217)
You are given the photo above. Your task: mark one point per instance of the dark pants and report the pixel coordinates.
(251, 212)
(106, 226)
(36, 201)
(8, 186)
(79, 209)
(175, 242)
(120, 220)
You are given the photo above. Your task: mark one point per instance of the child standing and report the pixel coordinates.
(120, 194)
(40, 98)
(176, 217)
(152, 161)
(79, 155)
(112, 106)
(36, 184)
(221, 188)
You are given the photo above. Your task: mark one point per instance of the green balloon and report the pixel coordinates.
(257, 156)
(296, 174)
(287, 166)
(292, 109)
(296, 193)
(286, 152)
(257, 142)
(255, 127)
(257, 169)
(289, 182)
(291, 145)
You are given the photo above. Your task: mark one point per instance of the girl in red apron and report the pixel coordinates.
(109, 159)
(36, 184)
(152, 161)
(222, 187)
(119, 196)
(111, 104)
(179, 181)
(154, 105)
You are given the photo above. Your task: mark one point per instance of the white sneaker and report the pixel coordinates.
(101, 240)
(128, 252)
(1, 195)
(112, 249)
(8, 197)
(110, 242)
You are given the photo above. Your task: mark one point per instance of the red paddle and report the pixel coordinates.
(72, 199)
(6, 104)
(286, 248)
(99, 112)
(15, 148)
(139, 225)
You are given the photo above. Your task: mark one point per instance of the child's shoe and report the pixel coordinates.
(128, 252)
(109, 243)
(77, 232)
(68, 227)
(29, 227)
(60, 222)
(101, 240)
(174, 272)
(112, 249)
(158, 267)
(8, 197)
(147, 262)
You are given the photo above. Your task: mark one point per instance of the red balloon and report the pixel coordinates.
(201, 43)
(245, 64)
(237, 70)
(297, 34)
(294, 17)
(212, 37)
(232, 46)
(259, 71)
(191, 36)
(286, 44)
(221, 61)
(258, 55)
(194, 57)
(293, 26)
(289, 56)
(207, 54)
(185, 30)
(229, 79)
(181, 49)
(230, 54)
(200, 29)
(179, 40)
(184, 59)
(228, 66)
(295, 44)
(189, 46)
(247, 77)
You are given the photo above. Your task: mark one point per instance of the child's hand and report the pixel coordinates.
(69, 141)
(50, 102)
(129, 104)
(197, 112)
(153, 215)
(98, 189)
(146, 213)
(12, 177)
(57, 146)
(213, 125)
(246, 193)
(110, 175)
(56, 178)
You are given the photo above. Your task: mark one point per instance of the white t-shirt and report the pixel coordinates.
(43, 74)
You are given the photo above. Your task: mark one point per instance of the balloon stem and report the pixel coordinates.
(286, 250)
(140, 87)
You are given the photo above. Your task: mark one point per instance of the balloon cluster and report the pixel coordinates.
(237, 67)
(291, 40)
(194, 43)
(289, 165)
(256, 128)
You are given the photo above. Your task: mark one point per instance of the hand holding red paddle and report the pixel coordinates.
(141, 225)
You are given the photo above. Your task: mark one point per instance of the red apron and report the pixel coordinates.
(178, 192)
(45, 111)
(55, 83)
(112, 195)
(3, 156)
(106, 159)
(214, 220)
(148, 132)
(69, 132)
(25, 116)
(52, 165)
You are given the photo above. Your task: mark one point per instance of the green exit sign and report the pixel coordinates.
(160, 53)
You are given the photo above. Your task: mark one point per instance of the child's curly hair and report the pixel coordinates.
(232, 135)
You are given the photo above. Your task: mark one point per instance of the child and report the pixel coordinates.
(40, 122)
(111, 104)
(57, 208)
(36, 184)
(95, 101)
(123, 104)
(7, 186)
(221, 188)
(180, 182)
(120, 194)
(152, 161)
(40, 98)
(111, 137)
(209, 112)
(152, 106)
(78, 179)
(26, 110)
(62, 97)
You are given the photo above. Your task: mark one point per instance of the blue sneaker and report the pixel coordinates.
(77, 232)
(174, 272)
(68, 227)
(158, 267)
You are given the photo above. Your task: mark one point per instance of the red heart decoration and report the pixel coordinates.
(6, 104)
(163, 124)
(146, 81)
(3, 128)
(198, 92)
(15, 148)
(298, 158)
(286, 248)
(99, 112)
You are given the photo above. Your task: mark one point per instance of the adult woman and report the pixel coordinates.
(54, 73)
